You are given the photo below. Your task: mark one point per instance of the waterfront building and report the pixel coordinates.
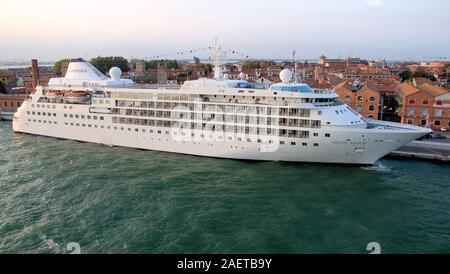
(10, 102)
(425, 105)
(364, 97)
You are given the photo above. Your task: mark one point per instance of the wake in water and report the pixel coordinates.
(378, 167)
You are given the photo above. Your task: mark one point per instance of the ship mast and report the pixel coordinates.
(218, 56)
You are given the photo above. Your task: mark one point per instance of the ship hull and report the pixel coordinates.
(361, 146)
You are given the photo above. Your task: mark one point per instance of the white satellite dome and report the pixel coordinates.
(242, 75)
(286, 75)
(115, 73)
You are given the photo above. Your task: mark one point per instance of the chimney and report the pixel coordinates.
(35, 73)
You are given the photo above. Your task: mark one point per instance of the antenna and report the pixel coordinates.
(295, 65)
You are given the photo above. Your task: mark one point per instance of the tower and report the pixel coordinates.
(161, 72)
(35, 73)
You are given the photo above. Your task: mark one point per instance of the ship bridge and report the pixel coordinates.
(292, 87)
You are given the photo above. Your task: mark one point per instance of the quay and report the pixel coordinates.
(6, 116)
(438, 150)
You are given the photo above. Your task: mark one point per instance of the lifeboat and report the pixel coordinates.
(54, 95)
(76, 96)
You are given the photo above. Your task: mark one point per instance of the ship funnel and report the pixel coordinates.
(79, 69)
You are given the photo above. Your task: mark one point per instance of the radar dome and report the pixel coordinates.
(242, 75)
(115, 73)
(286, 75)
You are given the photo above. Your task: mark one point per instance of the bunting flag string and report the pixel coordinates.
(192, 51)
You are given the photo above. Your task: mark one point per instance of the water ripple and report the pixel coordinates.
(120, 200)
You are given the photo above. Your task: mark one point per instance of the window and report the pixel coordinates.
(328, 135)
(360, 98)
(438, 112)
(281, 142)
(359, 108)
(347, 98)
(319, 112)
(412, 102)
(439, 103)
(304, 144)
(293, 143)
(371, 108)
(410, 122)
(316, 144)
(316, 134)
(437, 123)
(411, 111)
(423, 122)
(372, 99)
(425, 102)
(424, 112)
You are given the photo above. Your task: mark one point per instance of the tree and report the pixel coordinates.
(423, 74)
(171, 64)
(147, 80)
(104, 64)
(57, 65)
(208, 69)
(405, 75)
(2, 88)
(257, 64)
(151, 64)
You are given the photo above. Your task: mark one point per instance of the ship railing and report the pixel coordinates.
(387, 125)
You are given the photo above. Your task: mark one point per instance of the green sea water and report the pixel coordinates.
(120, 200)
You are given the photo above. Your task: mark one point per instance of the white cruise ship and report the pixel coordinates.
(216, 117)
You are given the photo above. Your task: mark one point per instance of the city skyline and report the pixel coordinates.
(395, 30)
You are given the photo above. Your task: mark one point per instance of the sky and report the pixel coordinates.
(372, 29)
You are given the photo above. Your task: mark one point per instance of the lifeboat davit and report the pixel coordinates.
(76, 96)
(54, 95)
